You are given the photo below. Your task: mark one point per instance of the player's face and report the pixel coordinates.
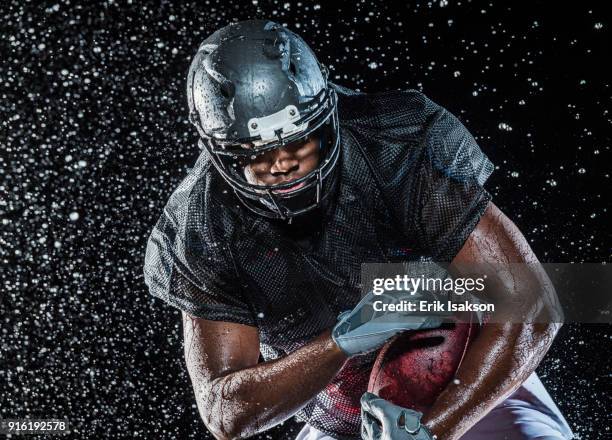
(284, 164)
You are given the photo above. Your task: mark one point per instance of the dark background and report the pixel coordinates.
(94, 137)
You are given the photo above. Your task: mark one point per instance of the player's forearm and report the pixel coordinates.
(507, 352)
(252, 400)
(499, 361)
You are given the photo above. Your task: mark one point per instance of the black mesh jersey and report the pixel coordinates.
(409, 186)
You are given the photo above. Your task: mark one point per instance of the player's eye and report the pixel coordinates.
(299, 143)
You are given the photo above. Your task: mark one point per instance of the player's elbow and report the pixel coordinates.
(220, 414)
(226, 426)
(553, 314)
(221, 425)
(550, 312)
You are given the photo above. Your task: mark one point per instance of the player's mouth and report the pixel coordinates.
(289, 189)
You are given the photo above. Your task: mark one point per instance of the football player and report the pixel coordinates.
(298, 183)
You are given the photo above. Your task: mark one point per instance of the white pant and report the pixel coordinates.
(528, 414)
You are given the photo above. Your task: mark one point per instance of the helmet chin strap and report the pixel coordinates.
(319, 184)
(278, 208)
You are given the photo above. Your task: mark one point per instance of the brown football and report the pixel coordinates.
(412, 369)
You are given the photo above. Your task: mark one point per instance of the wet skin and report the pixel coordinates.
(239, 397)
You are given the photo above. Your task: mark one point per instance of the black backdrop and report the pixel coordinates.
(95, 137)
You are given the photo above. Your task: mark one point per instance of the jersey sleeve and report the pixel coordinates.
(448, 195)
(188, 267)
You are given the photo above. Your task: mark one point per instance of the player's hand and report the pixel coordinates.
(364, 329)
(382, 420)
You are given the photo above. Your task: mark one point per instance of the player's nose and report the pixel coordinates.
(283, 162)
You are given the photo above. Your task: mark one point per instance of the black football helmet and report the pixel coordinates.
(255, 86)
